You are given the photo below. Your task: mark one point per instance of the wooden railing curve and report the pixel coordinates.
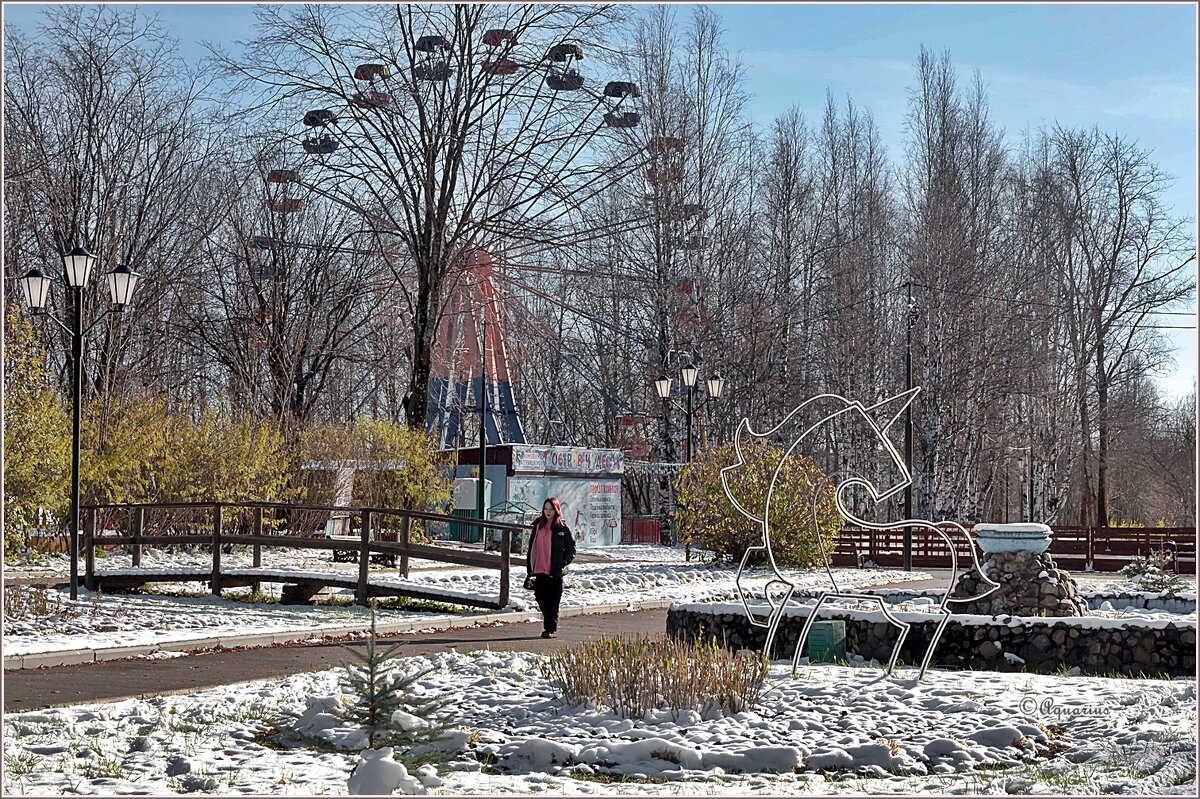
(99, 516)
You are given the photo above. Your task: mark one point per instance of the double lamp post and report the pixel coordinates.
(77, 269)
(689, 375)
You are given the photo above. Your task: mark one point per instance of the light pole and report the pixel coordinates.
(483, 389)
(689, 373)
(77, 268)
(911, 314)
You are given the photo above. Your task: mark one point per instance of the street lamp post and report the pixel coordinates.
(689, 374)
(911, 315)
(483, 389)
(77, 268)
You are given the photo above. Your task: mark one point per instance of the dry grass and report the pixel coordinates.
(27, 602)
(633, 675)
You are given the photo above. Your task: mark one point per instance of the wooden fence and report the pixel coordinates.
(221, 525)
(1105, 549)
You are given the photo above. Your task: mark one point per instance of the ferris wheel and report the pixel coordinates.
(489, 301)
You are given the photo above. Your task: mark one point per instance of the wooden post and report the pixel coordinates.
(216, 551)
(89, 550)
(364, 559)
(405, 521)
(258, 531)
(505, 551)
(1091, 547)
(139, 521)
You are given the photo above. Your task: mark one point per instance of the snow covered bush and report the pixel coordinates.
(1150, 573)
(707, 519)
(378, 774)
(634, 676)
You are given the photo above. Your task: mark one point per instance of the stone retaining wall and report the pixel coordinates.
(1182, 603)
(1043, 645)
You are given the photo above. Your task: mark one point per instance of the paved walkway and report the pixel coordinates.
(33, 689)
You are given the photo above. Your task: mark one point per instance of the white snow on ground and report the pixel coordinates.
(116, 620)
(834, 729)
(1091, 582)
(651, 553)
(102, 621)
(189, 555)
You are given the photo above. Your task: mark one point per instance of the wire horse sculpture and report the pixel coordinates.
(878, 418)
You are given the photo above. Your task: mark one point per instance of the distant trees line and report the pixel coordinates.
(1043, 269)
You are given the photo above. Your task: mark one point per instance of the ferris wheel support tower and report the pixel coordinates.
(470, 332)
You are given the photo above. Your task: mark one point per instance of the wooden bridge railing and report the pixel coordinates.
(209, 523)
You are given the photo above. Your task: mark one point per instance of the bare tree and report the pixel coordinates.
(450, 142)
(1124, 259)
(107, 136)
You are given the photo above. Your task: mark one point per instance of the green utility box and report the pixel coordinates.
(827, 641)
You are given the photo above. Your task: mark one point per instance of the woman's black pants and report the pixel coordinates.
(548, 592)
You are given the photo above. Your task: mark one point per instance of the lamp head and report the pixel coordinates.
(121, 282)
(36, 288)
(78, 265)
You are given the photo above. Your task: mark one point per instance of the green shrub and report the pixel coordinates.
(1151, 573)
(632, 675)
(380, 690)
(707, 519)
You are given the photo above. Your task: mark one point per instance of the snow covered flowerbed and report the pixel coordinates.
(832, 730)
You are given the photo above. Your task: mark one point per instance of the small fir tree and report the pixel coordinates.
(387, 707)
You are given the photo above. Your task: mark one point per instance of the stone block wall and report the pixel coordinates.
(1042, 645)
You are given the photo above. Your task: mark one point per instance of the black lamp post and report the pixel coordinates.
(77, 268)
(913, 314)
(689, 374)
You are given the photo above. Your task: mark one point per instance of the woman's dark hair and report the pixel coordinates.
(557, 519)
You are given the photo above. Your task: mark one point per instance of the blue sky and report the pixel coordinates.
(1128, 67)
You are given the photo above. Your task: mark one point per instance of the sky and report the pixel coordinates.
(1126, 67)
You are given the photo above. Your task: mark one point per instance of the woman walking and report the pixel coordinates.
(551, 549)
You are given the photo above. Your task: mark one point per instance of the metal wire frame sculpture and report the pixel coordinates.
(877, 418)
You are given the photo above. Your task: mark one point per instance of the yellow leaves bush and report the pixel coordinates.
(397, 467)
(137, 449)
(37, 435)
(142, 448)
(802, 507)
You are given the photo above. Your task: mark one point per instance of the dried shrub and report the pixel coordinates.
(631, 676)
(27, 602)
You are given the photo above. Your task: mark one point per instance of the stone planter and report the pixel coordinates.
(994, 538)
(1015, 556)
